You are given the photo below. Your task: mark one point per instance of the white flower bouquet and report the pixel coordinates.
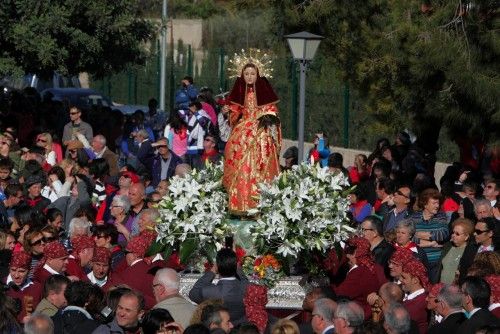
(302, 211)
(193, 215)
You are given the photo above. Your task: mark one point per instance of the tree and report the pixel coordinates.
(432, 62)
(95, 36)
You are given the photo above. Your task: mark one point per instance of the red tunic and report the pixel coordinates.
(40, 275)
(34, 290)
(138, 278)
(357, 285)
(418, 312)
(74, 269)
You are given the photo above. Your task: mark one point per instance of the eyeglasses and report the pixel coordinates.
(74, 112)
(457, 233)
(398, 192)
(116, 206)
(478, 232)
(72, 151)
(37, 242)
(49, 239)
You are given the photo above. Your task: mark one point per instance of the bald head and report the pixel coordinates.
(391, 293)
(39, 324)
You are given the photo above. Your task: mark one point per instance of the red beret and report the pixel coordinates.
(138, 245)
(101, 255)
(81, 242)
(20, 260)
(402, 255)
(134, 178)
(54, 250)
(417, 269)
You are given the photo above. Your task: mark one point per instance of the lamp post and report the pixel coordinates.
(163, 55)
(303, 46)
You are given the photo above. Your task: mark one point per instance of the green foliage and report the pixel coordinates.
(95, 36)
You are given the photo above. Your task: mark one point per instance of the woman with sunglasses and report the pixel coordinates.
(44, 140)
(34, 244)
(458, 254)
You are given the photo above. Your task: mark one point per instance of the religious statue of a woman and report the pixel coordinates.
(252, 150)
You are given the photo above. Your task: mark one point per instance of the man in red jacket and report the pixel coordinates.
(83, 251)
(54, 261)
(136, 274)
(415, 280)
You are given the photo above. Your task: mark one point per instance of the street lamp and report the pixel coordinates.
(303, 46)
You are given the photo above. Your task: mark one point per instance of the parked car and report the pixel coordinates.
(81, 97)
(33, 80)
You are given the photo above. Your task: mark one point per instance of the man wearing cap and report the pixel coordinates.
(34, 199)
(54, 261)
(20, 286)
(76, 125)
(415, 280)
(136, 275)
(163, 163)
(100, 266)
(83, 251)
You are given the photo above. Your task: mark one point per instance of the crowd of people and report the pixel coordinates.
(79, 206)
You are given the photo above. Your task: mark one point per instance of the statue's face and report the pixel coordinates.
(250, 75)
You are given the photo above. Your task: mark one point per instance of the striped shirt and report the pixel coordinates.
(438, 227)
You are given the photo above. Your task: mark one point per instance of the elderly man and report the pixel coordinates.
(166, 292)
(448, 306)
(483, 209)
(322, 316)
(163, 163)
(98, 149)
(217, 319)
(348, 316)
(39, 324)
(128, 313)
(397, 320)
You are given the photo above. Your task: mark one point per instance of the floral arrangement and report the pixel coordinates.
(302, 210)
(263, 270)
(193, 215)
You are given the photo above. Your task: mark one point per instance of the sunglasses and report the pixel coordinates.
(401, 194)
(99, 236)
(45, 240)
(74, 113)
(162, 146)
(72, 151)
(478, 232)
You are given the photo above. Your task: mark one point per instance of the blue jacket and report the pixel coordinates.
(156, 168)
(185, 95)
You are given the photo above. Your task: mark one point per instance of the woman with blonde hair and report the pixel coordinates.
(285, 326)
(44, 140)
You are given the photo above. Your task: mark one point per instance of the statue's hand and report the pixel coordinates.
(267, 121)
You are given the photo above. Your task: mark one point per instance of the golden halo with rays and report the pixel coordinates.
(262, 60)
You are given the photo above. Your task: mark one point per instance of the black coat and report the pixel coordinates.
(448, 325)
(479, 319)
(73, 322)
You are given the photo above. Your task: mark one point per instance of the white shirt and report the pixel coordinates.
(50, 270)
(26, 284)
(94, 280)
(415, 294)
(328, 328)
